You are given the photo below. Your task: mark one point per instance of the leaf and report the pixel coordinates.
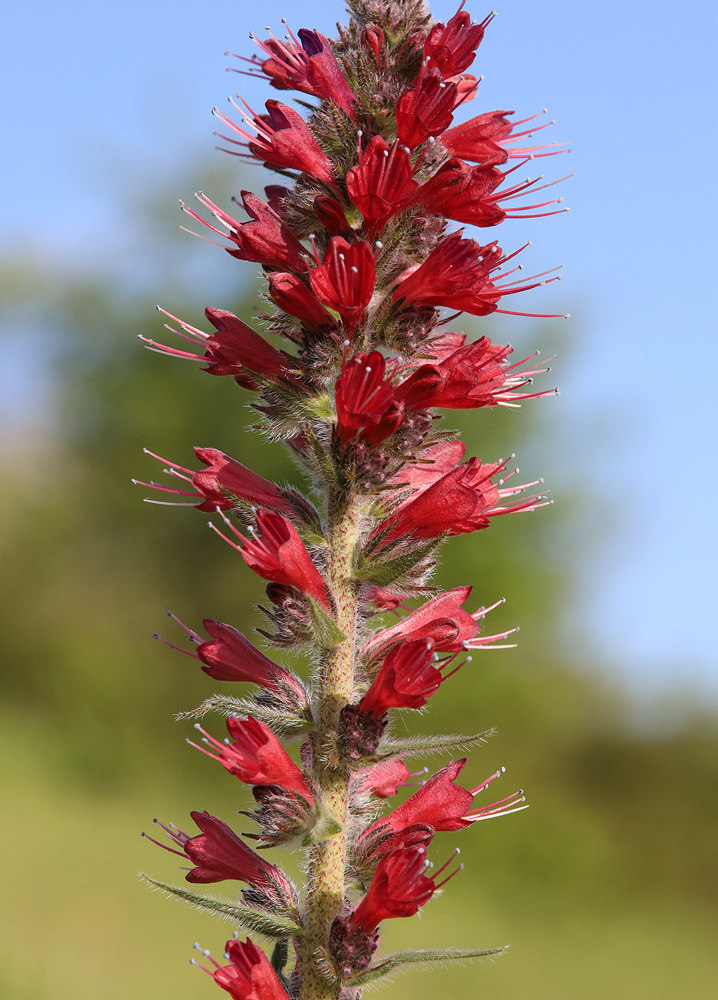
(422, 956)
(285, 724)
(253, 920)
(384, 573)
(422, 746)
(326, 628)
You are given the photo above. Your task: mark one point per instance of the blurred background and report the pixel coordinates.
(607, 712)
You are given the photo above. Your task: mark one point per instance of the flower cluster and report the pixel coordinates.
(359, 259)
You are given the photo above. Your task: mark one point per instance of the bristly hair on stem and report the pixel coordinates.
(364, 275)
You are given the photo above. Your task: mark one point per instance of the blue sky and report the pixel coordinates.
(101, 99)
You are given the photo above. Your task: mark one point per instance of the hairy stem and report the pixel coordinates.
(327, 859)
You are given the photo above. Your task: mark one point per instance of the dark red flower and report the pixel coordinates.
(219, 854)
(464, 193)
(256, 757)
(399, 888)
(426, 109)
(345, 280)
(451, 47)
(479, 139)
(442, 619)
(292, 296)
(407, 678)
(366, 409)
(250, 976)
(310, 67)
(461, 501)
(235, 349)
(277, 553)
(437, 460)
(331, 215)
(265, 239)
(283, 139)
(382, 183)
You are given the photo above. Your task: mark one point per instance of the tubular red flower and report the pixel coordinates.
(291, 294)
(256, 757)
(383, 779)
(437, 460)
(406, 679)
(283, 139)
(399, 888)
(425, 110)
(479, 139)
(365, 403)
(265, 239)
(250, 976)
(310, 67)
(451, 47)
(463, 193)
(345, 280)
(382, 183)
(277, 553)
(236, 347)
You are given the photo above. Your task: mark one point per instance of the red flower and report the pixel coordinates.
(382, 182)
(256, 757)
(437, 460)
(461, 501)
(480, 139)
(345, 281)
(406, 679)
(426, 109)
(219, 854)
(464, 193)
(456, 274)
(474, 375)
(445, 806)
(310, 67)
(451, 47)
(399, 888)
(291, 294)
(235, 349)
(383, 779)
(250, 976)
(365, 403)
(331, 215)
(283, 139)
(265, 239)
(442, 619)
(277, 553)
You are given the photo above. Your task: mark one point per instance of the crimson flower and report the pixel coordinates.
(461, 501)
(384, 779)
(236, 348)
(399, 888)
(442, 619)
(366, 408)
(451, 47)
(219, 854)
(426, 109)
(256, 757)
(250, 976)
(437, 460)
(277, 553)
(331, 215)
(265, 239)
(345, 280)
(480, 139)
(284, 140)
(291, 294)
(444, 805)
(308, 65)
(381, 184)
(464, 193)
(406, 679)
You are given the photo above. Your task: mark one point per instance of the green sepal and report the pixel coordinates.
(422, 746)
(282, 723)
(422, 956)
(327, 632)
(384, 573)
(280, 957)
(253, 920)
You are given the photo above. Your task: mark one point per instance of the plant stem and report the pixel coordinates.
(327, 859)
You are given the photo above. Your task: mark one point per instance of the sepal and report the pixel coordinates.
(422, 956)
(261, 923)
(327, 632)
(386, 572)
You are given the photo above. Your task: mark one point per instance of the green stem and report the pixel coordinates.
(327, 858)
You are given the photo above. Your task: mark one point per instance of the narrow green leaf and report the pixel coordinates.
(423, 956)
(285, 724)
(326, 628)
(253, 920)
(422, 746)
(384, 573)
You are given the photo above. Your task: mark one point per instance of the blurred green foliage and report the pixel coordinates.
(607, 886)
